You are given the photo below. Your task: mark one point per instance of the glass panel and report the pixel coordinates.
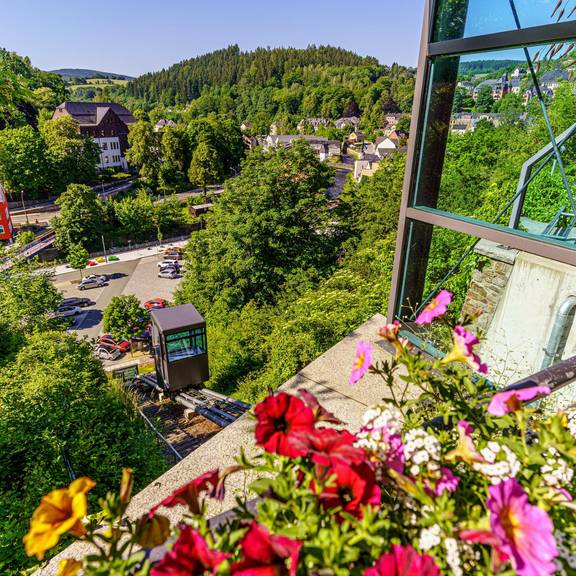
(186, 344)
(466, 18)
(486, 151)
(515, 296)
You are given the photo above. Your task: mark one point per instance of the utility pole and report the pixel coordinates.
(24, 207)
(104, 247)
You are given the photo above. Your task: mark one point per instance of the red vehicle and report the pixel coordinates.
(109, 340)
(155, 303)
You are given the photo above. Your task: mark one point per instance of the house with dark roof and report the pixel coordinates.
(107, 123)
(323, 147)
(163, 123)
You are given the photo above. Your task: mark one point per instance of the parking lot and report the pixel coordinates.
(138, 277)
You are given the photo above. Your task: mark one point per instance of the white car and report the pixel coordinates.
(169, 264)
(168, 272)
(101, 278)
(107, 352)
(66, 311)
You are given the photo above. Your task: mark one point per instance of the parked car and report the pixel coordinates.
(102, 277)
(168, 272)
(172, 256)
(109, 340)
(155, 303)
(106, 352)
(87, 283)
(65, 311)
(82, 302)
(168, 263)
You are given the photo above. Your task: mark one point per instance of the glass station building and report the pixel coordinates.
(507, 252)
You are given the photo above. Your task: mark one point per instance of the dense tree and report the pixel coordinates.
(77, 257)
(205, 166)
(175, 156)
(144, 151)
(81, 217)
(136, 215)
(60, 417)
(72, 157)
(484, 101)
(23, 165)
(269, 225)
(168, 214)
(462, 100)
(124, 317)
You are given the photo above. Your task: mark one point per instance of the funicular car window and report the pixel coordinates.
(186, 344)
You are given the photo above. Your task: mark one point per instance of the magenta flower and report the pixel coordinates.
(404, 561)
(525, 531)
(447, 481)
(435, 308)
(511, 400)
(362, 362)
(463, 350)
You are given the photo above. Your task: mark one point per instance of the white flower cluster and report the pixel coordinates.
(421, 450)
(453, 557)
(429, 537)
(566, 549)
(500, 463)
(556, 473)
(571, 414)
(378, 424)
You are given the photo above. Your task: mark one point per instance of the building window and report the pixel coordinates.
(2, 230)
(186, 344)
(104, 146)
(487, 213)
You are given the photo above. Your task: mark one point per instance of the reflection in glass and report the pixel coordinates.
(486, 151)
(186, 344)
(524, 305)
(466, 18)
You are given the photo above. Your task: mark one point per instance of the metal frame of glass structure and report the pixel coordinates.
(442, 42)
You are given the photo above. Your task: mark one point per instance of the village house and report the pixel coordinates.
(355, 137)
(246, 126)
(163, 123)
(498, 86)
(107, 123)
(323, 147)
(315, 123)
(344, 122)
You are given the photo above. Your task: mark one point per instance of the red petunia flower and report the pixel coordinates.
(265, 554)
(187, 495)
(328, 446)
(189, 555)
(352, 487)
(281, 419)
(404, 561)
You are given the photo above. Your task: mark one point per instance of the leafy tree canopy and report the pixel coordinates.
(124, 317)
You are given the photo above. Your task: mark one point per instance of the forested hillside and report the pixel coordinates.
(186, 80)
(24, 90)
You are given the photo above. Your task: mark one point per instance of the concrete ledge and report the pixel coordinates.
(326, 377)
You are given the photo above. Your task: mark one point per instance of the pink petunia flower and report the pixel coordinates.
(362, 362)
(525, 532)
(463, 350)
(511, 400)
(404, 561)
(437, 306)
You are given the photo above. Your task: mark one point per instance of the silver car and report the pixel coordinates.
(107, 352)
(168, 273)
(66, 311)
(93, 282)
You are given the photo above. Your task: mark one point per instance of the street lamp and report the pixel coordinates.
(24, 207)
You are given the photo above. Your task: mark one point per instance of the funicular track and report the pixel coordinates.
(185, 419)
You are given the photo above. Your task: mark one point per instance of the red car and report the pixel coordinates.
(109, 340)
(155, 303)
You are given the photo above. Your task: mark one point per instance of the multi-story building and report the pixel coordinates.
(107, 123)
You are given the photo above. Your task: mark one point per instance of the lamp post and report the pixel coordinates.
(104, 247)
(24, 207)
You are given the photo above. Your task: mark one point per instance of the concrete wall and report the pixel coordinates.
(522, 318)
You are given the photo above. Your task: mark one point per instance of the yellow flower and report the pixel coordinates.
(59, 512)
(126, 485)
(69, 567)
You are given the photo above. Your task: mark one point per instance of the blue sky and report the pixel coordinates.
(133, 37)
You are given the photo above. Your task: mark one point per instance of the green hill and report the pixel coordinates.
(67, 73)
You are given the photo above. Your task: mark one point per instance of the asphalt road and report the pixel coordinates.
(89, 322)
